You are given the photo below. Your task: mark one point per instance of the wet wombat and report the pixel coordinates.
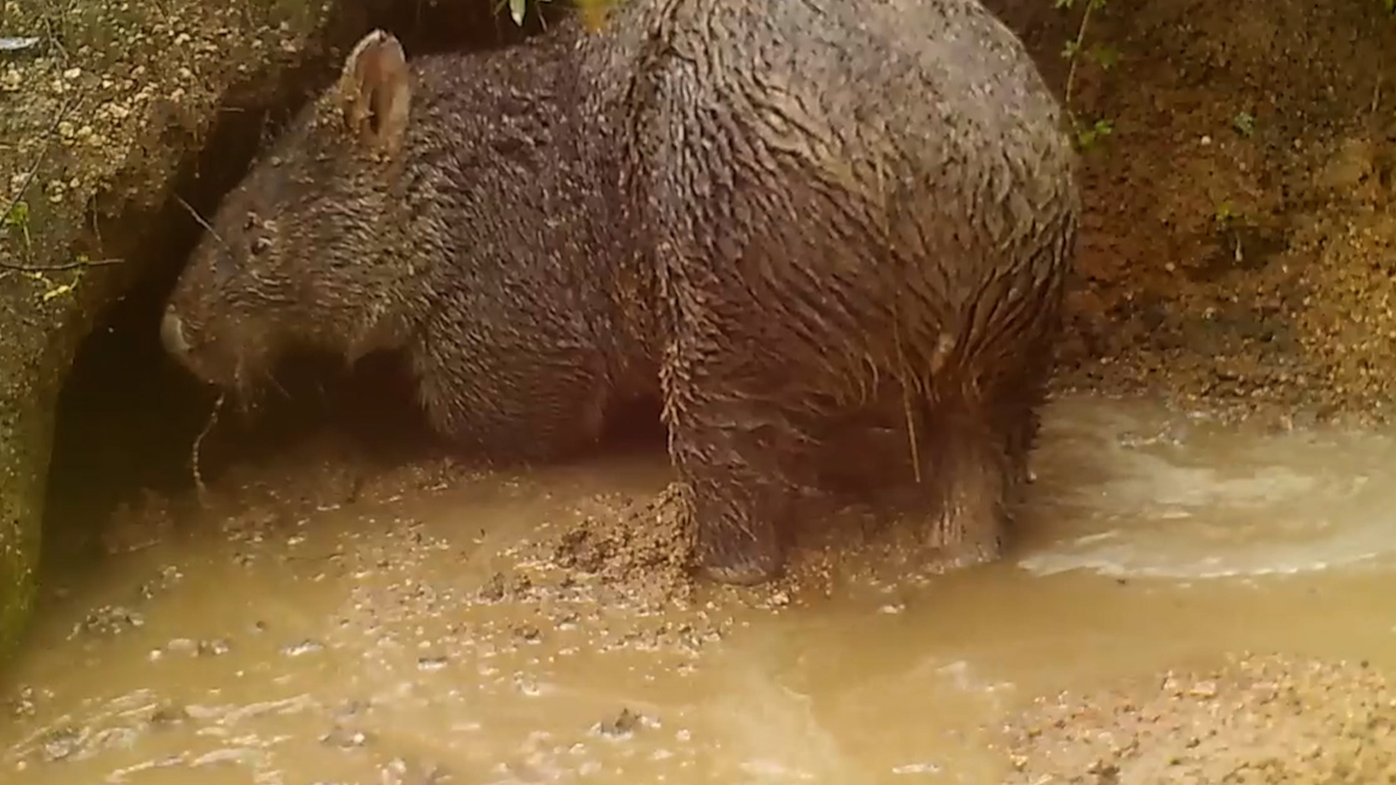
(786, 219)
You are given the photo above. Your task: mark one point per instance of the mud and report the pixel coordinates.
(1253, 720)
(313, 619)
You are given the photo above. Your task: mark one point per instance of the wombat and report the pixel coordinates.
(786, 221)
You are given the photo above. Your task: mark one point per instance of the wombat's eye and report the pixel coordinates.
(260, 245)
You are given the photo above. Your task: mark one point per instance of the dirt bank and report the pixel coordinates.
(1238, 240)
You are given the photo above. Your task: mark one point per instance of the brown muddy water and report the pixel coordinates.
(460, 630)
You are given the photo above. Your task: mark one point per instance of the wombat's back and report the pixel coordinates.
(882, 91)
(913, 142)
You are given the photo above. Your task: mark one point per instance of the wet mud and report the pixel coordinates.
(310, 620)
(1251, 720)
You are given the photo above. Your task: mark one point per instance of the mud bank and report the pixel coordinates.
(1238, 238)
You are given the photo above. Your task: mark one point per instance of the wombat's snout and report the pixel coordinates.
(172, 334)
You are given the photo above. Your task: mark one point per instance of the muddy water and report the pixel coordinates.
(430, 639)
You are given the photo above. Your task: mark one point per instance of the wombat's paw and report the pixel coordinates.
(968, 554)
(958, 548)
(723, 551)
(737, 556)
(675, 500)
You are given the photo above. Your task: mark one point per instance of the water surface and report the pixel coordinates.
(421, 640)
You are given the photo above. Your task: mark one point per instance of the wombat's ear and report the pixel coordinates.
(375, 89)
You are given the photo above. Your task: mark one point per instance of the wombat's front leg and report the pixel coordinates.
(514, 405)
(732, 487)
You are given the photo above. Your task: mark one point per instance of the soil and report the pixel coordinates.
(106, 102)
(1237, 243)
(1255, 720)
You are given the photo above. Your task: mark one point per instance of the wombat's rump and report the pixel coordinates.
(794, 222)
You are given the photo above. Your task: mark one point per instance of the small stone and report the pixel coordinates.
(302, 648)
(623, 725)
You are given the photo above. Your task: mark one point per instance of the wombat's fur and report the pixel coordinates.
(790, 220)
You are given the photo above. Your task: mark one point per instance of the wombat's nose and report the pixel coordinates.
(172, 333)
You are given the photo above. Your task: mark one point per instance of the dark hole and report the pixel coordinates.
(128, 417)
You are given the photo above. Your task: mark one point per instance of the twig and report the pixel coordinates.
(200, 220)
(57, 268)
(200, 488)
(1076, 58)
(54, 37)
(48, 16)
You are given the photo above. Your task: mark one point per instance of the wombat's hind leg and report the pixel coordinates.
(971, 479)
(1017, 416)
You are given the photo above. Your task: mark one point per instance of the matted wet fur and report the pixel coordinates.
(793, 222)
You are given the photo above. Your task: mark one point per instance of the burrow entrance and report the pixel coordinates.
(128, 416)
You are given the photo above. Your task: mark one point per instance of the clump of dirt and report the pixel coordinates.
(638, 548)
(624, 564)
(1236, 247)
(1254, 720)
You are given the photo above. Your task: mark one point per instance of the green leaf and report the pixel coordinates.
(1244, 122)
(19, 214)
(517, 9)
(1224, 213)
(1104, 56)
(1087, 136)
